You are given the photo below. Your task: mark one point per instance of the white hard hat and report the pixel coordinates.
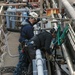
(34, 15)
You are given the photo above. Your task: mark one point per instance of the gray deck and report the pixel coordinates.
(13, 46)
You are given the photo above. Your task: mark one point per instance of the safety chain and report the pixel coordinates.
(9, 69)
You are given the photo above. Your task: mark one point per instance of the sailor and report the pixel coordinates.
(25, 35)
(27, 28)
(41, 41)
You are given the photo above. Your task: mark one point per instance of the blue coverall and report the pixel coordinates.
(26, 34)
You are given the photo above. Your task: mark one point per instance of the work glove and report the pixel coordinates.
(49, 57)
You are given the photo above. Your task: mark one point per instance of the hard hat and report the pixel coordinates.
(34, 15)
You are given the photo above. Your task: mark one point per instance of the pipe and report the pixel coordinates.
(57, 69)
(16, 10)
(67, 57)
(55, 6)
(71, 30)
(33, 2)
(30, 16)
(71, 41)
(39, 62)
(69, 8)
(72, 36)
(41, 12)
(22, 10)
(12, 4)
(55, 25)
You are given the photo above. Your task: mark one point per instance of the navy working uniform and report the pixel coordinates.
(27, 31)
